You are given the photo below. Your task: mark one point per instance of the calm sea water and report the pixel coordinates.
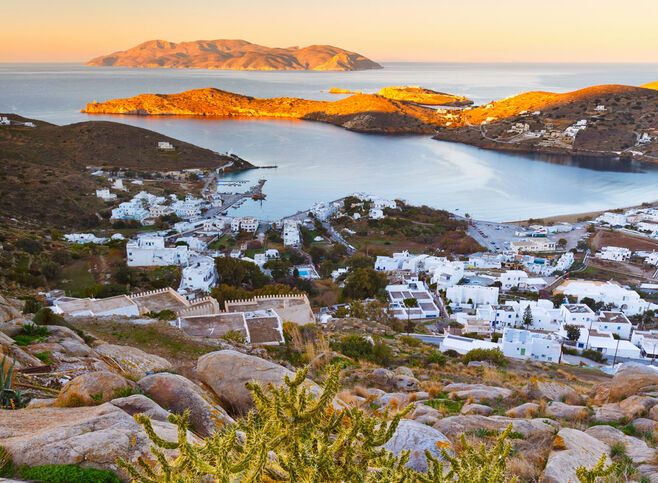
(321, 162)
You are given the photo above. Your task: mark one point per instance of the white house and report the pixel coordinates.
(199, 275)
(577, 314)
(119, 305)
(612, 219)
(291, 235)
(617, 254)
(533, 245)
(475, 295)
(652, 259)
(150, 251)
(323, 211)
(376, 214)
(463, 345)
(84, 238)
(523, 344)
(245, 223)
(411, 289)
(485, 261)
(629, 301)
(544, 316)
(512, 279)
(105, 195)
(614, 322)
(647, 341)
(165, 146)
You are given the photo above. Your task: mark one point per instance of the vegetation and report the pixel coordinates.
(359, 347)
(30, 334)
(239, 273)
(364, 283)
(494, 356)
(600, 470)
(573, 332)
(593, 355)
(67, 474)
(9, 398)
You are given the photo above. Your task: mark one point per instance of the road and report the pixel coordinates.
(337, 237)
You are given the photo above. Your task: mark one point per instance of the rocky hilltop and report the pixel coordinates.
(607, 120)
(235, 55)
(420, 95)
(360, 112)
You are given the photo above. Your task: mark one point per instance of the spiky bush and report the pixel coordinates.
(600, 470)
(294, 435)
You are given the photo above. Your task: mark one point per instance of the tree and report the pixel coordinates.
(364, 283)
(562, 242)
(527, 317)
(558, 299)
(240, 273)
(573, 332)
(410, 303)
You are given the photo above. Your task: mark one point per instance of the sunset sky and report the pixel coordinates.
(384, 30)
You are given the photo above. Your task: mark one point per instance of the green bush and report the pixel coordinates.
(31, 306)
(437, 357)
(30, 334)
(494, 356)
(355, 346)
(67, 474)
(593, 355)
(409, 340)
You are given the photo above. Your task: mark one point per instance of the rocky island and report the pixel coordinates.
(234, 55)
(361, 112)
(426, 97)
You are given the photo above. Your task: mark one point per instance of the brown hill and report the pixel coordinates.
(420, 95)
(651, 85)
(614, 120)
(361, 112)
(43, 173)
(235, 55)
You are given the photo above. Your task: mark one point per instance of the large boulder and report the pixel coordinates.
(402, 379)
(477, 392)
(93, 388)
(455, 425)
(227, 372)
(86, 436)
(632, 378)
(644, 425)
(176, 393)
(608, 413)
(569, 412)
(134, 362)
(139, 404)
(572, 449)
(8, 311)
(13, 352)
(634, 406)
(552, 391)
(415, 437)
(476, 409)
(636, 449)
(525, 410)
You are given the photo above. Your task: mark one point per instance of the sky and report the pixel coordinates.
(384, 30)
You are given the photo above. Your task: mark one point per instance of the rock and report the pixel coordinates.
(392, 399)
(608, 413)
(176, 394)
(636, 449)
(405, 383)
(570, 412)
(416, 437)
(227, 372)
(423, 410)
(479, 364)
(134, 362)
(630, 379)
(455, 425)
(635, 406)
(7, 310)
(92, 388)
(381, 377)
(139, 404)
(40, 403)
(401, 380)
(552, 391)
(88, 436)
(644, 425)
(653, 413)
(526, 410)
(478, 392)
(404, 371)
(572, 449)
(420, 396)
(476, 409)
(15, 353)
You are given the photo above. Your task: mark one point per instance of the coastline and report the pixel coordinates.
(574, 217)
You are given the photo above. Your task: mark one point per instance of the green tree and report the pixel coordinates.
(573, 332)
(239, 273)
(527, 317)
(410, 303)
(364, 283)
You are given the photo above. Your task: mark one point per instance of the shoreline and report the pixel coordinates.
(573, 217)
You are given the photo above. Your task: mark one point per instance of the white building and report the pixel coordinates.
(629, 301)
(199, 275)
(612, 219)
(150, 251)
(245, 223)
(84, 238)
(376, 214)
(564, 262)
(523, 344)
(652, 259)
(647, 341)
(544, 316)
(463, 345)
(323, 211)
(485, 261)
(474, 295)
(165, 146)
(533, 245)
(614, 322)
(411, 289)
(105, 195)
(577, 314)
(120, 305)
(617, 254)
(513, 279)
(291, 234)
(444, 273)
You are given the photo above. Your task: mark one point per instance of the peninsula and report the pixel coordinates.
(234, 55)
(415, 95)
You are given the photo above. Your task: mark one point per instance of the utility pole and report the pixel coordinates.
(614, 359)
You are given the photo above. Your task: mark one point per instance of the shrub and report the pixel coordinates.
(67, 474)
(494, 356)
(593, 355)
(31, 306)
(437, 357)
(234, 336)
(6, 463)
(355, 346)
(45, 316)
(410, 340)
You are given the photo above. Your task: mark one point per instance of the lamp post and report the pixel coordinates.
(614, 359)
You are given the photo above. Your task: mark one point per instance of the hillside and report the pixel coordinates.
(43, 173)
(420, 95)
(651, 85)
(601, 120)
(235, 55)
(360, 112)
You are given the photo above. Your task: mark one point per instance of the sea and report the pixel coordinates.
(319, 162)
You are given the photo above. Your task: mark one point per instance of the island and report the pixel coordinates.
(427, 97)
(360, 112)
(234, 55)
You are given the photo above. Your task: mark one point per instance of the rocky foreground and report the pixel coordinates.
(234, 55)
(85, 394)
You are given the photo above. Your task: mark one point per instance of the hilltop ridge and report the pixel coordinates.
(234, 55)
